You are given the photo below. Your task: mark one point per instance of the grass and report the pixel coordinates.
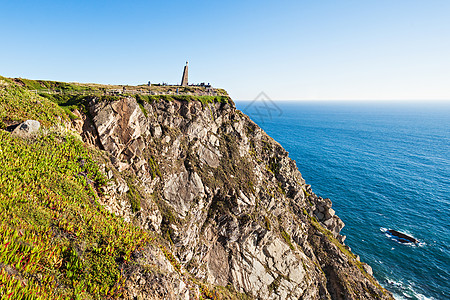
(17, 104)
(51, 85)
(97, 89)
(134, 197)
(267, 224)
(69, 102)
(154, 168)
(55, 238)
(171, 258)
(273, 287)
(203, 99)
(274, 165)
(287, 238)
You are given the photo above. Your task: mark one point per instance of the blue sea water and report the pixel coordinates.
(384, 165)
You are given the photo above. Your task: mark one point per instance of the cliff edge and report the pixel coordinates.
(226, 211)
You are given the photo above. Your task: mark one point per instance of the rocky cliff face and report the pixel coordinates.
(234, 216)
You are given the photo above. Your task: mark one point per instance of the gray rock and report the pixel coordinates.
(329, 223)
(27, 129)
(330, 213)
(320, 216)
(368, 269)
(341, 238)
(120, 125)
(181, 189)
(156, 131)
(211, 157)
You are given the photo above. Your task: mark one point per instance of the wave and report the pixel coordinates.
(404, 291)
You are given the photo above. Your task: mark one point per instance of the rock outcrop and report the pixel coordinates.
(27, 129)
(232, 207)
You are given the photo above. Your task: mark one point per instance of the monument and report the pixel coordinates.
(184, 79)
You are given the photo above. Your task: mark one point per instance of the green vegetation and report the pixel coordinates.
(55, 238)
(287, 238)
(267, 223)
(207, 293)
(52, 85)
(134, 197)
(274, 165)
(69, 102)
(203, 99)
(154, 168)
(70, 96)
(18, 104)
(273, 287)
(306, 193)
(171, 258)
(281, 189)
(140, 102)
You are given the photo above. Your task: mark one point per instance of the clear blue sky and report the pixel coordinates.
(326, 49)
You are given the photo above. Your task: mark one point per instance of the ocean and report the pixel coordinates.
(385, 165)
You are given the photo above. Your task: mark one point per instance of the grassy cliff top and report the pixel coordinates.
(74, 87)
(18, 104)
(51, 102)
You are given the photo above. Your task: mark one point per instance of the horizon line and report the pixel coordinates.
(348, 100)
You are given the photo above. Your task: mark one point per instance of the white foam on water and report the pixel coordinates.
(421, 244)
(405, 291)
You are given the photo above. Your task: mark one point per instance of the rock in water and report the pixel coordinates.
(27, 129)
(401, 237)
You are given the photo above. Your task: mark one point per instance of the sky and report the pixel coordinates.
(290, 50)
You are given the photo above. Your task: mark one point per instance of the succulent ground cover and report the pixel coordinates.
(56, 241)
(19, 104)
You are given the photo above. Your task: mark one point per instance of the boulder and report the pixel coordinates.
(329, 223)
(27, 129)
(401, 237)
(341, 238)
(330, 213)
(368, 269)
(181, 189)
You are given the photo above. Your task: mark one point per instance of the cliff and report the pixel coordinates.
(212, 207)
